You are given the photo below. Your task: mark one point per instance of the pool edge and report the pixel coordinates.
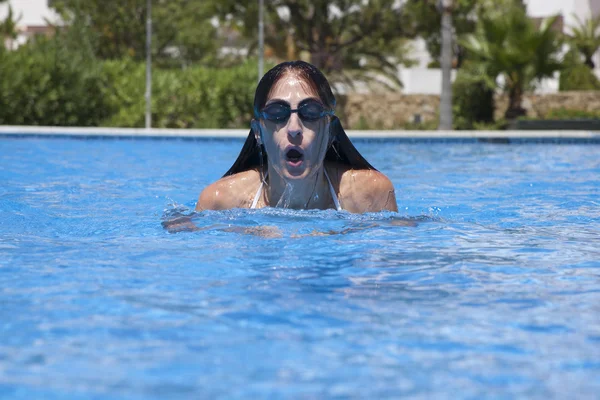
(437, 135)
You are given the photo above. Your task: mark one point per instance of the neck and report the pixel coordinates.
(310, 193)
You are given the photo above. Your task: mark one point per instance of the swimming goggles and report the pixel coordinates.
(308, 110)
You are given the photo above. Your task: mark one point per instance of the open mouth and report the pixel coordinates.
(294, 156)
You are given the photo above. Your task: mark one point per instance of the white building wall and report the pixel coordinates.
(567, 8)
(422, 80)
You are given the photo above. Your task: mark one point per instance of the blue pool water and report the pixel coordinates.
(495, 293)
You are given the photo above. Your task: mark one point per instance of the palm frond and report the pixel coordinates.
(508, 45)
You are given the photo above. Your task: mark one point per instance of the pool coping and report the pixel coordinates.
(104, 132)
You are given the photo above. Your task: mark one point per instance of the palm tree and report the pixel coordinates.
(585, 37)
(507, 44)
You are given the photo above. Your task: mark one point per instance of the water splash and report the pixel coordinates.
(286, 196)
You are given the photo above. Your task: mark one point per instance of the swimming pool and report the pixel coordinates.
(495, 293)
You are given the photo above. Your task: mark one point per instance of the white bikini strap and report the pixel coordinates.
(257, 196)
(259, 192)
(333, 195)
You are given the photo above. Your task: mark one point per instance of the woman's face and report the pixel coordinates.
(296, 148)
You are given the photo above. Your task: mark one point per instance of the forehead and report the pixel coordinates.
(292, 86)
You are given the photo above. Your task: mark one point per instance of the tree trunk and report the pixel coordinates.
(589, 62)
(515, 98)
(446, 64)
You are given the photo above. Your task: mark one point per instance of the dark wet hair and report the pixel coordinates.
(340, 150)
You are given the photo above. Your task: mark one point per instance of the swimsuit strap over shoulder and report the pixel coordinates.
(336, 202)
(258, 192)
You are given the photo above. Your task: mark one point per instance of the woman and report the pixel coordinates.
(297, 154)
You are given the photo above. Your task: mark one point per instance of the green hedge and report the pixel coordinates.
(472, 100)
(43, 83)
(578, 77)
(196, 97)
(568, 113)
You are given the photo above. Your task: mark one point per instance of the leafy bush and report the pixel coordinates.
(196, 97)
(497, 125)
(44, 83)
(559, 114)
(472, 100)
(578, 77)
(567, 113)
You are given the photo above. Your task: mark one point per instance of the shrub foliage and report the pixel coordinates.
(472, 101)
(577, 75)
(196, 97)
(45, 83)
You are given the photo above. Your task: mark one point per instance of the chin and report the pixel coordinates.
(295, 172)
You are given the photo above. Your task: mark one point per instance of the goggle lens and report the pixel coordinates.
(309, 111)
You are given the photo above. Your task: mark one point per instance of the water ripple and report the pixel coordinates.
(484, 285)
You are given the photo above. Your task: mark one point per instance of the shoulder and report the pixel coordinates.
(230, 192)
(365, 190)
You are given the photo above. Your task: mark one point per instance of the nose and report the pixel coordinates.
(294, 126)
